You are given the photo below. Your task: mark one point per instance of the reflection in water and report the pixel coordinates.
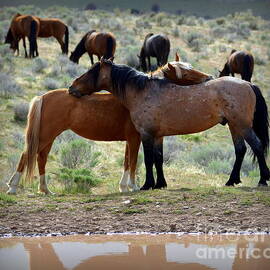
(141, 252)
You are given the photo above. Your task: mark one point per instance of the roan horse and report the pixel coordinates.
(96, 117)
(23, 26)
(159, 108)
(239, 62)
(98, 43)
(156, 46)
(47, 28)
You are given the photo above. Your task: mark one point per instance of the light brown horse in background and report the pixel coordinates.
(95, 43)
(97, 117)
(240, 62)
(23, 26)
(52, 27)
(159, 108)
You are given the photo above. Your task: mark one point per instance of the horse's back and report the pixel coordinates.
(238, 59)
(51, 27)
(96, 117)
(157, 44)
(21, 25)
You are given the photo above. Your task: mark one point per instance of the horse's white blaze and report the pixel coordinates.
(123, 185)
(13, 183)
(178, 72)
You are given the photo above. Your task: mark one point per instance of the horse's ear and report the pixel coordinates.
(177, 58)
(170, 66)
(102, 59)
(111, 59)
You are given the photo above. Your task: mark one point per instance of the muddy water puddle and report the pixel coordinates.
(144, 251)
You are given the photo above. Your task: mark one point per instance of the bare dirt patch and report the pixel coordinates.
(198, 210)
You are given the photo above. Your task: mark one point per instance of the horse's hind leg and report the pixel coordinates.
(42, 160)
(158, 160)
(123, 184)
(15, 179)
(257, 149)
(148, 148)
(240, 151)
(62, 44)
(134, 146)
(24, 45)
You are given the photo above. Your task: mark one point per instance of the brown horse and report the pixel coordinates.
(110, 121)
(158, 108)
(51, 27)
(239, 62)
(23, 26)
(47, 28)
(95, 43)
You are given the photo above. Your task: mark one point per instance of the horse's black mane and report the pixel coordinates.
(80, 48)
(123, 75)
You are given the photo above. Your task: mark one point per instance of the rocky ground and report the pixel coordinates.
(198, 210)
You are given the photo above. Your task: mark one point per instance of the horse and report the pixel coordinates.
(52, 27)
(240, 62)
(23, 26)
(109, 121)
(159, 108)
(156, 46)
(47, 28)
(95, 43)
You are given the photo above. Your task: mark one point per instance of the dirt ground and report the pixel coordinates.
(198, 210)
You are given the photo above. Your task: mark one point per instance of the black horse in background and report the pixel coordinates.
(156, 46)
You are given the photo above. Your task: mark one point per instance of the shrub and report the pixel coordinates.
(78, 180)
(155, 8)
(21, 111)
(78, 153)
(8, 86)
(91, 6)
(51, 83)
(194, 40)
(175, 32)
(39, 65)
(73, 70)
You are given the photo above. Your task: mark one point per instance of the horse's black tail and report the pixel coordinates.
(110, 47)
(260, 120)
(247, 68)
(33, 38)
(66, 41)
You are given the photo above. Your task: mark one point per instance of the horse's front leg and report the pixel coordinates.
(149, 63)
(148, 149)
(158, 160)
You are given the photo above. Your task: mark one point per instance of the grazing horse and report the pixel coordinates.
(159, 108)
(239, 62)
(23, 26)
(47, 28)
(96, 117)
(95, 43)
(51, 27)
(156, 46)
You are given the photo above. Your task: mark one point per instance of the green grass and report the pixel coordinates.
(6, 199)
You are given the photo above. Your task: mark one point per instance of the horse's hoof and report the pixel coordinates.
(262, 184)
(11, 191)
(123, 188)
(160, 186)
(229, 184)
(146, 187)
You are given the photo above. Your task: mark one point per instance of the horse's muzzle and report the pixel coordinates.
(74, 92)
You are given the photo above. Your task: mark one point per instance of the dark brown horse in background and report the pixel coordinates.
(239, 62)
(95, 117)
(154, 46)
(95, 43)
(23, 26)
